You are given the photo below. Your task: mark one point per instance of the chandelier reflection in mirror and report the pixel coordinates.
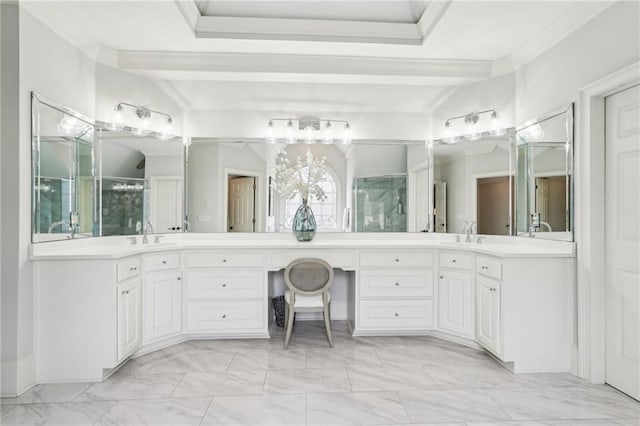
(308, 130)
(140, 125)
(476, 125)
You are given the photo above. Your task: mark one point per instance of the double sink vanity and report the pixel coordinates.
(101, 301)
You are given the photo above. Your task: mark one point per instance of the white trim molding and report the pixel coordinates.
(590, 222)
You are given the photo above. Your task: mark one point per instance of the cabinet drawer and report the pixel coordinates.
(225, 284)
(377, 283)
(396, 258)
(489, 267)
(161, 262)
(336, 258)
(395, 314)
(220, 316)
(127, 268)
(219, 259)
(455, 261)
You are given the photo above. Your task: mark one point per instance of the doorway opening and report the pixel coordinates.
(494, 205)
(241, 203)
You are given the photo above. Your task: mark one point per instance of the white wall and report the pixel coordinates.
(606, 44)
(204, 185)
(63, 74)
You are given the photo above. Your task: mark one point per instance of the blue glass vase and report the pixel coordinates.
(304, 223)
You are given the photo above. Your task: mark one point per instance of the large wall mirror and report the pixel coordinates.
(473, 185)
(544, 176)
(370, 186)
(141, 183)
(63, 173)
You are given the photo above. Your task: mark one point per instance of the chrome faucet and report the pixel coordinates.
(187, 226)
(145, 232)
(466, 229)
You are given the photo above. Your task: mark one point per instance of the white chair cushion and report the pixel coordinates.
(306, 301)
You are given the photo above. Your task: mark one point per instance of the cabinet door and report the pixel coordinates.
(455, 305)
(162, 304)
(129, 333)
(488, 313)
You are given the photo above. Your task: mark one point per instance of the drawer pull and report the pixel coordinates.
(164, 262)
(442, 277)
(224, 316)
(179, 278)
(224, 284)
(396, 314)
(484, 267)
(133, 268)
(397, 284)
(453, 260)
(224, 260)
(125, 291)
(397, 260)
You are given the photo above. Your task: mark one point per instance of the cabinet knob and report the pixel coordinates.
(397, 284)
(454, 261)
(224, 315)
(164, 262)
(224, 260)
(397, 260)
(396, 314)
(133, 268)
(179, 278)
(125, 291)
(224, 284)
(441, 277)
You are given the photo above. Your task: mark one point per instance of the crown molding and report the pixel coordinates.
(226, 27)
(190, 12)
(570, 21)
(50, 16)
(431, 16)
(289, 64)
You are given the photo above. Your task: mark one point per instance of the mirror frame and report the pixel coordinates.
(36, 100)
(508, 132)
(569, 143)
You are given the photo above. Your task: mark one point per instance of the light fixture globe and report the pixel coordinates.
(346, 135)
(290, 133)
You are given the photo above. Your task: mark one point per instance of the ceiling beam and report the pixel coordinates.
(316, 68)
(225, 27)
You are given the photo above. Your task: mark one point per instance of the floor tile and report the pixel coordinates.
(472, 377)
(389, 379)
(451, 406)
(565, 403)
(4, 409)
(238, 382)
(378, 342)
(355, 408)
(132, 387)
(235, 345)
(308, 380)
(256, 410)
(342, 358)
(269, 360)
(179, 411)
(192, 361)
(413, 356)
(70, 413)
(548, 380)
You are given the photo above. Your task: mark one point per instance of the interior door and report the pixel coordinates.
(492, 205)
(622, 189)
(440, 206)
(166, 204)
(242, 195)
(422, 201)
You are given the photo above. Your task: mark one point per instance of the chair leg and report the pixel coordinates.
(327, 322)
(286, 314)
(289, 327)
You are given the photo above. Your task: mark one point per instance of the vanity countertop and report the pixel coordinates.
(119, 247)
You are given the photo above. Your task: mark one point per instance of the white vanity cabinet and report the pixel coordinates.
(394, 292)
(225, 293)
(488, 303)
(455, 294)
(162, 296)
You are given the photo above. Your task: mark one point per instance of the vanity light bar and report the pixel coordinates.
(471, 122)
(141, 128)
(309, 130)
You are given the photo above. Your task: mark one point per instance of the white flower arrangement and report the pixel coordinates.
(301, 177)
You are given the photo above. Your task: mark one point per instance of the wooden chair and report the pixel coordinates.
(308, 281)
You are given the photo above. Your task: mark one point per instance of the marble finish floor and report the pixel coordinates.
(372, 381)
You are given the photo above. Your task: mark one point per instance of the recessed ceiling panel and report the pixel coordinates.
(398, 11)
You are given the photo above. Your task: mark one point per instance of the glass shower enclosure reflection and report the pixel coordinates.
(123, 205)
(380, 204)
